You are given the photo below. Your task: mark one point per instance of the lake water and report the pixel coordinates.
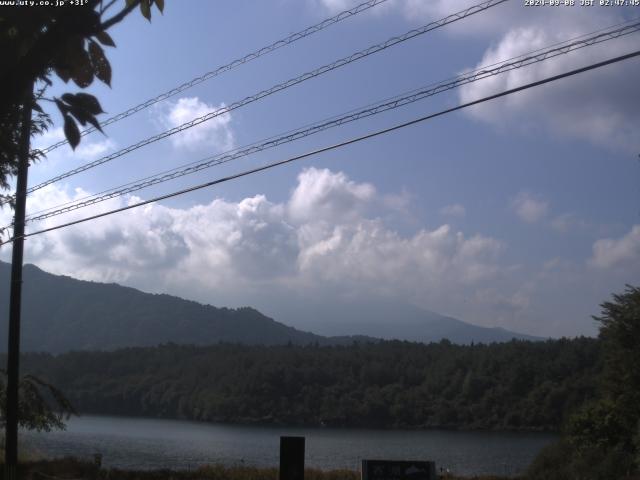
(150, 443)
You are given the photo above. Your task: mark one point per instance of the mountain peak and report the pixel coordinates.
(61, 313)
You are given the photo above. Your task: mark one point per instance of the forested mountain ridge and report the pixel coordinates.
(513, 386)
(61, 313)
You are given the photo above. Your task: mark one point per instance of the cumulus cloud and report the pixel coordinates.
(214, 133)
(329, 241)
(529, 207)
(579, 107)
(597, 106)
(611, 252)
(324, 195)
(323, 238)
(454, 210)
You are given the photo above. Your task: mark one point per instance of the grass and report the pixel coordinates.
(73, 469)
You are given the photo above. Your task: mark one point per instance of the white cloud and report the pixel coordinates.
(417, 11)
(496, 20)
(621, 252)
(48, 137)
(598, 106)
(595, 106)
(214, 133)
(322, 239)
(454, 210)
(324, 195)
(90, 148)
(502, 18)
(330, 240)
(529, 207)
(424, 11)
(335, 6)
(554, 263)
(568, 222)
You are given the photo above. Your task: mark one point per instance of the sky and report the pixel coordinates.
(521, 213)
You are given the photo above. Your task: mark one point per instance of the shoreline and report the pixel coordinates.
(255, 423)
(71, 467)
(153, 443)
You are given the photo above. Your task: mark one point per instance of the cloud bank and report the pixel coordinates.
(597, 106)
(322, 239)
(323, 242)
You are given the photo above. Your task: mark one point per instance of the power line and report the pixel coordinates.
(373, 109)
(281, 86)
(385, 105)
(269, 166)
(294, 37)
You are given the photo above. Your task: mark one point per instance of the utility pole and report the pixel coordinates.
(13, 357)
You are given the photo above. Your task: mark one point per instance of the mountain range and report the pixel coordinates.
(60, 313)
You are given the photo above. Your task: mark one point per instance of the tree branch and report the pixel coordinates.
(104, 8)
(117, 18)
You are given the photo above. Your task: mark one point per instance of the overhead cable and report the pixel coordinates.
(377, 133)
(373, 109)
(277, 88)
(294, 37)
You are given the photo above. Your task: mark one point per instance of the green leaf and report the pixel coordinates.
(63, 73)
(80, 115)
(71, 131)
(82, 76)
(130, 2)
(88, 102)
(105, 39)
(101, 66)
(93, 121)
(145, 8)
(61, 106)
(82, 73)
(160, 4)
(83, 107)
(69, 98)
(76, 59)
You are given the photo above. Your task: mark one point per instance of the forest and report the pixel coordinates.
(518, 385)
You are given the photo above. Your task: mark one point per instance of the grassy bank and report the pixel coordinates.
(69, 468)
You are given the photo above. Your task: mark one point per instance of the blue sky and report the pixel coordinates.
(522, 213)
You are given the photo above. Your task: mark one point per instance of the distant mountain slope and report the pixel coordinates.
(393, 321)
(62, 313)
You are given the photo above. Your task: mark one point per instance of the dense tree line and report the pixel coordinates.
(514, 385)
(601, 439)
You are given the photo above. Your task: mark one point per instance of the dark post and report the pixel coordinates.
(13, 357)
(291, 458)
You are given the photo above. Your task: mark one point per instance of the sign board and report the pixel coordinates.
(398, 470)
(291, 458)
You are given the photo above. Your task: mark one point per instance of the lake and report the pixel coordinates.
(144, 443)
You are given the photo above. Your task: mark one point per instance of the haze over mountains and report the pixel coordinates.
(61, 314)
(391, 320)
